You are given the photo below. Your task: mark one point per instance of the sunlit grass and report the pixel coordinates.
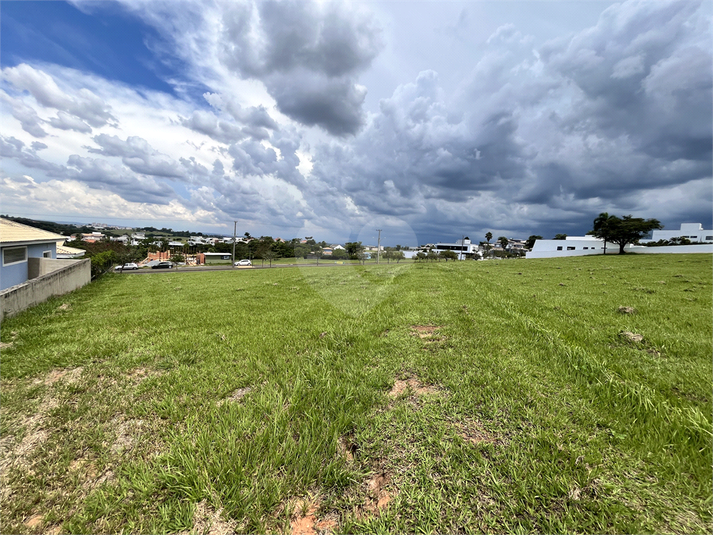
(473, 396)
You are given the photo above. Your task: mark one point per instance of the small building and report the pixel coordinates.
(93, 237)
(463, 248)
(64, 252)
(217, 258)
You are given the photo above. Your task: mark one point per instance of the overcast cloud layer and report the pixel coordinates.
(269, 123)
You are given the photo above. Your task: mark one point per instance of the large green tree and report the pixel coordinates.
(530, 243)
(625, 230)
(353, 249)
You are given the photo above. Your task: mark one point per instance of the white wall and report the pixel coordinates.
(699, 248)
(548, 248)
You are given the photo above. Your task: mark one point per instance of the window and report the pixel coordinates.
(14, 255)
(585, 248)
(571, 248)
(709, 238)
(47, 254)
(559, 248)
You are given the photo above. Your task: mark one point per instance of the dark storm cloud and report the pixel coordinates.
(583, 124)
(252, 158)
(138, 155)
(643, 73)
(307, 55)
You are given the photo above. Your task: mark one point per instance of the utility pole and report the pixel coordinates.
(378, 247)
(235, 228)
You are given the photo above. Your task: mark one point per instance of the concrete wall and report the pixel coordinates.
(71, 275)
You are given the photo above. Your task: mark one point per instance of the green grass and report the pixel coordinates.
(497, 396)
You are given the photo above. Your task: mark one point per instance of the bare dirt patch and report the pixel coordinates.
(5, 345)
(627, 310)
(411, 384)
(428, 333)
(17, 454)
(64, 306)
(236, 396)
(65, 375)
(474, 432)
(380, 497)
(34, 521)
(208, 521)
(347, 448)
(140, 374)
(128, 433)
(377, 495)
(632, 337)
(305, 520)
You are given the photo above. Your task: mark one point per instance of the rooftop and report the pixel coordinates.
(12, 232)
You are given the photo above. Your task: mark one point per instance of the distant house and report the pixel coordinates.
(64, 252)
(463, 248)
(217, 258)
(571, 246)
(93, 237)
(588, 245)
(19, 244)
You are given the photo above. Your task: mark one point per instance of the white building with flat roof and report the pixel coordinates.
(571, 246)
(693, 231)
(463, 248)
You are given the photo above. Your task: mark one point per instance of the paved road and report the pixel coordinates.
(224, 268)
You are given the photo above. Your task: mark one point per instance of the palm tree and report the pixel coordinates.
(488, 236)
(600, 224)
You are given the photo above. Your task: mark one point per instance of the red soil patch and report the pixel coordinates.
(305, 522)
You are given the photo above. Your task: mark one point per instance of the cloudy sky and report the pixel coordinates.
(430, 120)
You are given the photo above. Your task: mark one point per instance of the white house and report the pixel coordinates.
(693, 231)
(589, 245)
(463, 248)
(571, 246)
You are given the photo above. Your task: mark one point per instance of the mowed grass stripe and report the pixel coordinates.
(260, 399)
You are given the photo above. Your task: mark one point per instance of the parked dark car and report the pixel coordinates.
(163, 265)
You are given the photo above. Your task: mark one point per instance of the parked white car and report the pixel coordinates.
(128, 266)
(243, 262)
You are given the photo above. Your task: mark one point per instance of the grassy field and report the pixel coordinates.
(500, 396)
